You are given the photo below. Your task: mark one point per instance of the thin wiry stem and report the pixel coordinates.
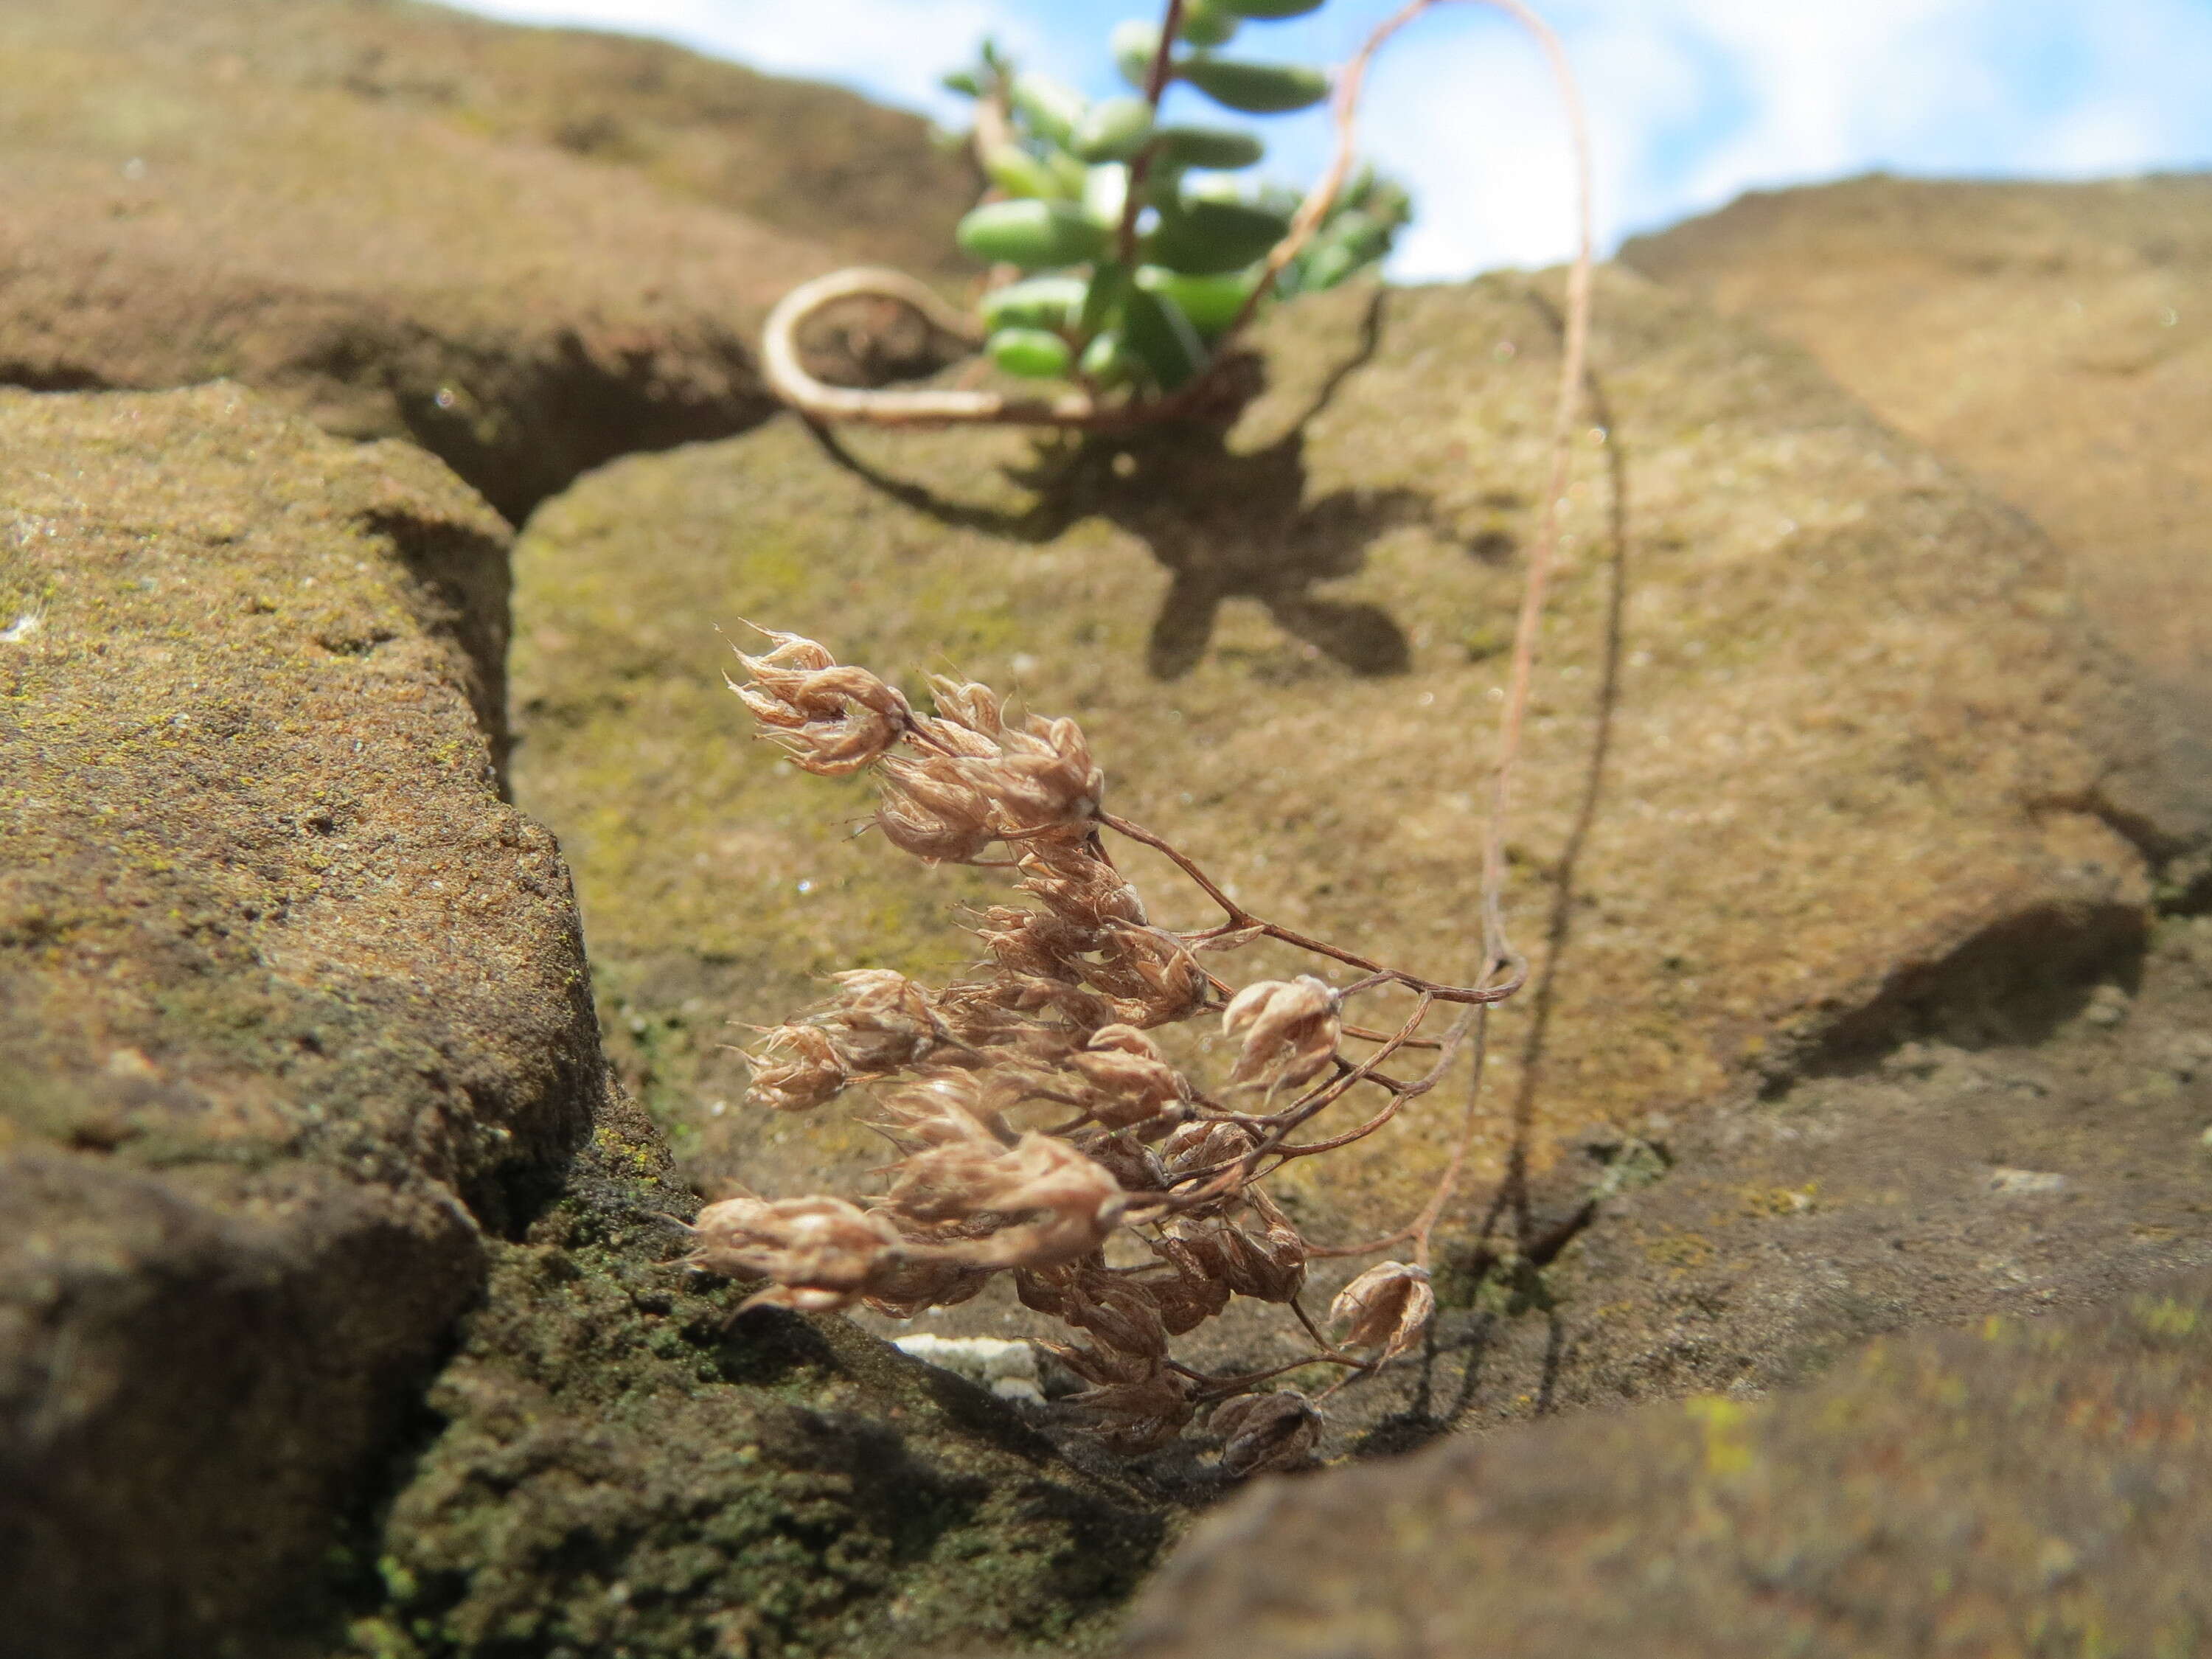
(1140, 167)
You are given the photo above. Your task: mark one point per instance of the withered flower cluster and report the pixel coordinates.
(1035, 1121)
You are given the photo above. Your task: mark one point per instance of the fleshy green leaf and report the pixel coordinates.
(1135, 44)
(1113, 130)
(1108, 362)
(1268, 10)
(1045, 303)
(1030, 352)
(1210, 303)
(1051, 109)
(1205, 238)
(1206, 147)
(1017, 172)
(1255, 89)
(1162, 338)
(1033, 234)
(1209, 23)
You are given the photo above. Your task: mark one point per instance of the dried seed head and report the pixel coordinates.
(942, 1109)
(880, 1021)
(1290, 1031)
(1130, 1091)
(1121, 1318)
(966, 706)
(1266, 1262)
(1137, 1415)
(903, 1289)
(1077, 884)
(1267, 1433)
(1387, 1308)
(1035, 942)
(821, 1253)
(796, 1068)
(1197, 1291)
(1202, 1147)
(1077, 1202)
(832, 719)
(1044, 782)
(1149, 974)
(931, 810)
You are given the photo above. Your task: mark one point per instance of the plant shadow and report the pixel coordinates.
(1223, 525)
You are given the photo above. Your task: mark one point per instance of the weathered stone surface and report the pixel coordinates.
(623, 1469)
(332, 1291)
(1853, 742)
(292, 1006)
(291, 195)
(819, 162)
(2037, 1488)
(2056, 338)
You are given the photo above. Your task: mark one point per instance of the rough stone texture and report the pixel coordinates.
(2027, 1488)
(622, 1469)
(516, 247)
(1856, 748)
(303, 1101)
(293, 1006)
(2056, 338)
(815, 161)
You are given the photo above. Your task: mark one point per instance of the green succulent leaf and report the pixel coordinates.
(963, 82)
(1051, 109)
(1209, 238)
(1113, 130)
(1268, 10)
(1030, 352)
(1212, 303)
(1255, 89)
(1106, 192)
(1017, 172)
(1209, 23)
(1135, 44)
(1101, 306)
(1108, 360)
(1048, 302)
(1033, 234)
(1206, 147)
(1162, 338)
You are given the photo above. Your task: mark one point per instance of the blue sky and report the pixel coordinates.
(1693, 101)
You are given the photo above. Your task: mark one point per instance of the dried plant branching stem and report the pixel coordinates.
(1060, 1020)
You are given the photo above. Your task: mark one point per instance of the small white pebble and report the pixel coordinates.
(2026, 1183)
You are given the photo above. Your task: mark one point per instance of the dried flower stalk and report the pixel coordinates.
(1032, 1116)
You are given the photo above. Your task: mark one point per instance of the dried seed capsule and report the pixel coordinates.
(1255, 89)
(1293, 1031)
(1032, 234)
(1388, 1308)
(1113, 130)
(796, 1068)
(1267, 1433)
